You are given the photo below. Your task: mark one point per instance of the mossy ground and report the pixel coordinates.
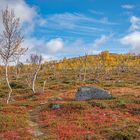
(114, 119)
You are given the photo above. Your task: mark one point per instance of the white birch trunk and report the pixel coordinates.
(34, 79)
(85, 68)
(44, 84)
(8, 84)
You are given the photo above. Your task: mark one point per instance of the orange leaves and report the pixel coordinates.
(14, 109)
(16, 134)
(98, 116)
(11, 135)
(72, 123)
(65, 123)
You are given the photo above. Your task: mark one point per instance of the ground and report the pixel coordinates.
(33, 116)
(56, 115)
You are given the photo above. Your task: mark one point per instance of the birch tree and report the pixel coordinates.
(35, 60)
(10, 42)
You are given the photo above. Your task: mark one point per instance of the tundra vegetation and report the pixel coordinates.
(44, 93)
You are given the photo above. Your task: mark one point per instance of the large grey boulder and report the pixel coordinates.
(86, 93)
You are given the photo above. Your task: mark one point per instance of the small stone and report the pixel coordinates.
(57, 106)
(37, 133)
(54, 106)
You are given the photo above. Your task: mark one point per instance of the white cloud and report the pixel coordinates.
(28, 14)
(42, 46)
(132, 39)
(128, 6)
(78, 24)
(58, 48)
(48, 49)
(42, 22)
(135, 23)
(32, 43)
(70, 20)
(55, 45)
(79, 47)
(29, 19)
(22, 10)
(100, 41)
(96, 12)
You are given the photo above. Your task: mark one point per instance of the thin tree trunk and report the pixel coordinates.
(33, 84)
(44, 84)
(85, 68)
(7, 80)
(34, 79)
(85, 72)
(17, 69)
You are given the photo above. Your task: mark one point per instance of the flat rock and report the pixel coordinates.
(37, 133)
(87, 93)
(55, 99)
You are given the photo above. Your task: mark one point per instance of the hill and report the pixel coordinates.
(53, 113)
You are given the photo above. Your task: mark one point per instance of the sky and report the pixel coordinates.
(71, 28)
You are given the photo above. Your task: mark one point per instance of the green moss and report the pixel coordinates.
(100, 104)
(12, 121)
(130, 132)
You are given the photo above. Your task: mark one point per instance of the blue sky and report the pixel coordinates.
(69, 28)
